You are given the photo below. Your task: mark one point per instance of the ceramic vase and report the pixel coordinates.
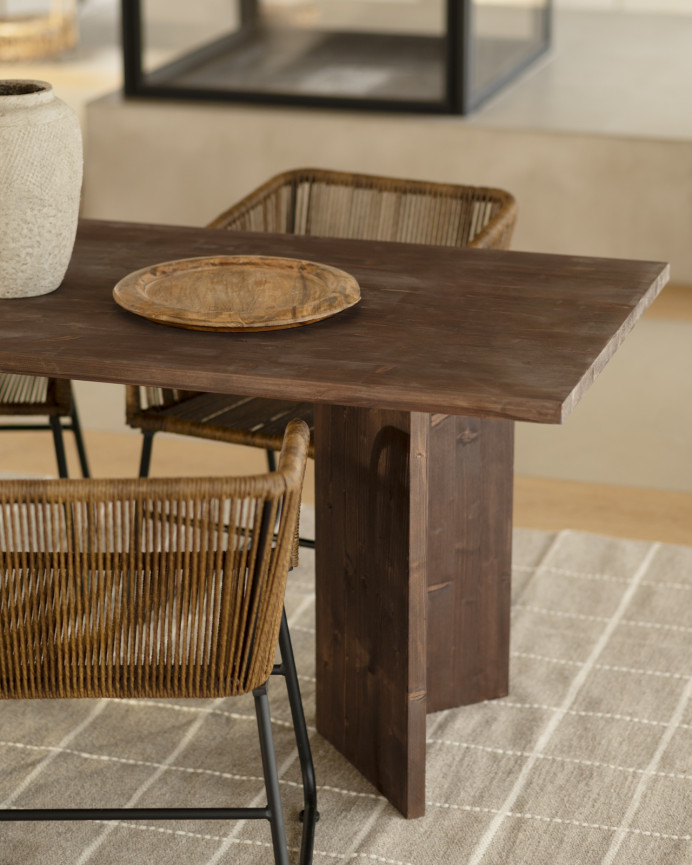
(40, 184)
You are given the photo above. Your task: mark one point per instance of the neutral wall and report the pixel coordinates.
(583, 194)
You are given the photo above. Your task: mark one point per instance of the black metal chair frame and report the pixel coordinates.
(56, 425)
(272, 812)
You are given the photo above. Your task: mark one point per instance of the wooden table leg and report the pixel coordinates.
(413, 519)
(470, 472)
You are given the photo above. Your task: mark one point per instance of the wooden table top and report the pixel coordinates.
(472, 332)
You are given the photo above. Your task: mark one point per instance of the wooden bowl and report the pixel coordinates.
(237, 293)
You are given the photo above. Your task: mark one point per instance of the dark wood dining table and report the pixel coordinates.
(416, 391)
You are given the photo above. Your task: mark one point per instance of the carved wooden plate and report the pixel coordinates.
(237, 293)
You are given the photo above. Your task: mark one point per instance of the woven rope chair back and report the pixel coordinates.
(366, 207)
(27, 393)
(33, 395)
(143, 587)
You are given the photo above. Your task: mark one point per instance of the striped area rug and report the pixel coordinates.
(589, 760)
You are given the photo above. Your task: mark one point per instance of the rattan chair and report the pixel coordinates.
(166, 588)
(26, 395)
(327, 204)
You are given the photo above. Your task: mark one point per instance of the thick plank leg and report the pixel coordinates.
(413, 581)
(371, 595)
(470, 465)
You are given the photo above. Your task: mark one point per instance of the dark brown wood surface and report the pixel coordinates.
(371, 604)
(470, 332)
(413, 588)
(415, 389)
(469, 559)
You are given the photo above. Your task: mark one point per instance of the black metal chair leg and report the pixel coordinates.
(310, 813)
(145, 458)
(271, 775)
(59, 443)
(79, 441)
(307, 543)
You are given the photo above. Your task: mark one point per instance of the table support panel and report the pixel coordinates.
(371, 594)
(470, 464)
(413, 563)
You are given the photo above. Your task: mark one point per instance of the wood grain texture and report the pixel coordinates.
(416, 513)
(371, 598)
(237, 292)
(469, 559)
(471, 332)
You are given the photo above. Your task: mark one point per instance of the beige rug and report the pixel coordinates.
(589, 760)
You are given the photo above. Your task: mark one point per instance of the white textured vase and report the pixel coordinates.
(40, 184)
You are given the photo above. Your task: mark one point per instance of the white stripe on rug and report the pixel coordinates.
(649, 772)
(95, 712)
(552, 725)
(93, 848)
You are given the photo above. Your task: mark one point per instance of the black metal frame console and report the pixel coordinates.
(479, 48)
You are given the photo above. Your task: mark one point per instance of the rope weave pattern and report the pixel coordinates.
(27, 394)
(22, 388)
(365, 207)
(146, 587)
